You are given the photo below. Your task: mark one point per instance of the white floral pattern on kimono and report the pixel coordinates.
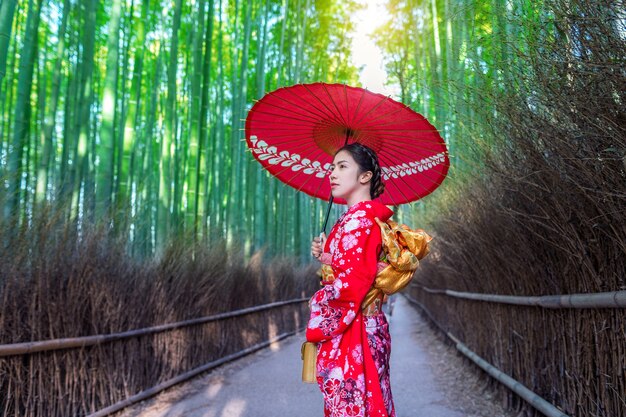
(353, 380)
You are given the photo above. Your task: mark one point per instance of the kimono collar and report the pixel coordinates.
(375, 207)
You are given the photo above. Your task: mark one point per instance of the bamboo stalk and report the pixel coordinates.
(15, 349)
(611, 299)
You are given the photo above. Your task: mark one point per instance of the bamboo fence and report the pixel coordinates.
(610, 299)
(535, 400)
(185, 377)
(613, 299)
(15, 349)
(22, 349)
(572, 356)
(67, 302)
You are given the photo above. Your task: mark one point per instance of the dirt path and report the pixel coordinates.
(428, 379)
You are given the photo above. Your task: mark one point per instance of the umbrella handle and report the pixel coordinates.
(330, 204)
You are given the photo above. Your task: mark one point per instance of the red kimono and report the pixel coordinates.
(353, 350)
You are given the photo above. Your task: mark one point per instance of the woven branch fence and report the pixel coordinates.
(185, 377)
(19, 350)
(532, 398)
(570, 351)
(67, 303)
(77, 376)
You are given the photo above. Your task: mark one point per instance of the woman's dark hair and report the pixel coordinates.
(367, 160)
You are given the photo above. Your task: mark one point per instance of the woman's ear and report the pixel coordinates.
(365, 177)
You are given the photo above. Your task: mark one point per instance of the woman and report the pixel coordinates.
(353, 344)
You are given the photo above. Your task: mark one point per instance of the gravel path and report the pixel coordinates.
(428, 379)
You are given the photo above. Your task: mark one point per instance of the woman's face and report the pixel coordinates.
(344, 175)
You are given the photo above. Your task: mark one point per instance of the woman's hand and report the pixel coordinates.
(317, 245)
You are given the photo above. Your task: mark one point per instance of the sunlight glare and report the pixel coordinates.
(365, 54)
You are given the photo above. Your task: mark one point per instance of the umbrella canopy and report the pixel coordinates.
(295, 131)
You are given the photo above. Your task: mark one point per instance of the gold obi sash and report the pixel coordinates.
(403, 248)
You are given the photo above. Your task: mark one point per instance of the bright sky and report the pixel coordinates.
(366, 53)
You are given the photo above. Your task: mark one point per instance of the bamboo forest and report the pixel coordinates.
(140, 107)
(129, 197)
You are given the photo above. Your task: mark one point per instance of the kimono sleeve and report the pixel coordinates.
(354, 264)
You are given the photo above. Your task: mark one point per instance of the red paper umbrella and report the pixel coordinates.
(295, 131)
